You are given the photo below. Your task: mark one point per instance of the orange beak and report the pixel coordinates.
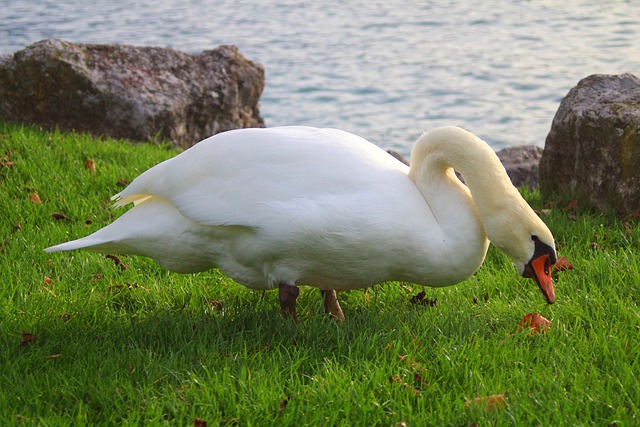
(540, 270)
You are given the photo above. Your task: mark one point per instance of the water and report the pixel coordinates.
(386, 70)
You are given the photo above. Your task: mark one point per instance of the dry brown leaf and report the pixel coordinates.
(122, 182)
(536, 322)
(90, 164)
(635, 214)
(282, 405)
(397, 379)
(198, 422)
(627, 229)
(117, 261)
(542, 212)
(27, 338)
(492, 403)
(35, 198)
(419, 371)
(59, 216)
(571, 206)
(47, 280)
(562, 264)
(6, 163)
(215, 303)
(419, 298)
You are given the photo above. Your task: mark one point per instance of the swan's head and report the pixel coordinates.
(525, 238)
(508, 220)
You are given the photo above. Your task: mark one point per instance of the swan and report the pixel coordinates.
(289, 206)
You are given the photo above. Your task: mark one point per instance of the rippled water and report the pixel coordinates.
(386, 70)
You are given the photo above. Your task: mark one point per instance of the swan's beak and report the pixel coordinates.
(539, 269)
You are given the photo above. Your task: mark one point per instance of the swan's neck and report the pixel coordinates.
(489, 192)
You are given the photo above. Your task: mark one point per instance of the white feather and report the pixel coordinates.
(318, 207)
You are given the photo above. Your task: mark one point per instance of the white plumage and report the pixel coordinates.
(326, 208)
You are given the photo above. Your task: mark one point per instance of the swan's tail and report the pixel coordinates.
(88, 242)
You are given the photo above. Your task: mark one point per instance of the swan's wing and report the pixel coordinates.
(249, 176)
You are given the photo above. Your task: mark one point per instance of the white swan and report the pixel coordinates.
(289, 206)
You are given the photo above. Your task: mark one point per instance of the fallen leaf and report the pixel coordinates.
(55, 356)
(59, 216)
(595, 245)
(6, 163)
(27, 338)
(417, 377)
(90, 164)
(46, 288)
(282, 406)
(47, 280)
(420, 299)
(117, 261)
(133, 285)
(536, 322)
(215, 303)
(634, 215)
(396, 379)
(35, 198)
(198, 422)
(562, 264)
(600, 236)
(491, 403)
(571, 206)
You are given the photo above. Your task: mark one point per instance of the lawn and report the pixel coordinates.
(92, 339)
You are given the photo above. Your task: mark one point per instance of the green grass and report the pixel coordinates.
(143, 346)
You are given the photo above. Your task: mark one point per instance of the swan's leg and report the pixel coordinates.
(287, 294)
(331, 305)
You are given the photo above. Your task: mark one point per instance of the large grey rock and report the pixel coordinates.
(522, 163)
(593, 148)
(139, 93)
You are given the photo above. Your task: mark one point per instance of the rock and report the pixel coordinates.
(522, 163)
(138, 93)
(593, 149)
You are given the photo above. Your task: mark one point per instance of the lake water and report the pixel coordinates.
(386, 70)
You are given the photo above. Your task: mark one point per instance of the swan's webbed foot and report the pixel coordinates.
(288, 294)
(332, 305)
